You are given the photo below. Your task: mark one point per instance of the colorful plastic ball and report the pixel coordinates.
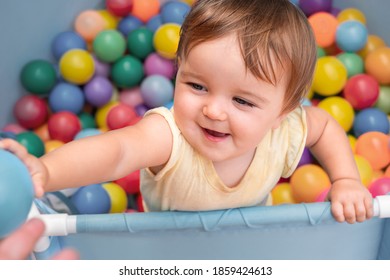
(351, 36)
(128, 24)
(131, 97)
(157, 65)
(87, 120)
(140, 42)
(127, 72)
(361, 91)
(119, 8)
(323, 195)
(30, 111)
(66, 97)
(340, 109)
(87, 132)
(77, 66)
(101, 68)
(66, 41)
(351, 14)
(32, 143)
(320, 52)
(98, 91)
(110, 20)
(154, 23)
(383, 102)
(91, 199)
(118, 197)
(38, 76)
(373, 42)
(145, 9)
(324, 26)
(374, 146)
(109, 45)
(16, 192)
(42, 132)
(330, 76)
(307, 182)
(380, 187)
(352, 62)
(377, 64)
(51, 145)
(101, 114)
(174, 12)
(141, 109)
(13, 128)
(366, 172)
(63, 126)
(130, 183)
(370, 119)
(156, 91)
(7, 134)
(120, 116)
(282, 194)
(306, 158)
(88, 24)
(310, 7)
(166, 40)
(352, 142)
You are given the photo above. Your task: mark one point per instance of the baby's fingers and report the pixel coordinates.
(14, 147)
(338, 211)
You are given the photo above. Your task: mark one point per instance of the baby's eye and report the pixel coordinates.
(196, 86)
(243, 102)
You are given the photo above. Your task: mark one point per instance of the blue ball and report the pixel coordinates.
(87, 132)
(351, 36)
(370, 119)
(156, 91)
(16, 192)
(174, 12)
(154, 23)
(66, 41)
(66, 97)
(91, 199)
(128, 24)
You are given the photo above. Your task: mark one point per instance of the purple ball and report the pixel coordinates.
(156, 65)
(310, 7)
(98, 91)
(141, 109)
(306, 158)
(101, 68)
(156, 90)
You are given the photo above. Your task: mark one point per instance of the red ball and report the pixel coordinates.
(130, 183)
(120, 8)
(380, 186)
(120, 116)
(362, 91)
(63, 126)
(31, 111)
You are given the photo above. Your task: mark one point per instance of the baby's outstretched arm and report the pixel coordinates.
(100, 158)
(351, 201)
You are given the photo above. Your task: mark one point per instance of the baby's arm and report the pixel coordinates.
(105, 157)
(351, 201)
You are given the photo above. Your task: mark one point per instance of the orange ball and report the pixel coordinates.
(374, 146)
(88, 24)
(282, 194)
(377, 64)
(43, 132)
(373, 42)
(145, 9)
(308, 182)
(324, 26)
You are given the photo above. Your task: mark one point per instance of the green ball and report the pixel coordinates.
(87, 120)
(38, 77)
(353, 62)
(320, 52)
(383, 102)
(109, 45)
(32, 142)
(127, 72)
(140, 42)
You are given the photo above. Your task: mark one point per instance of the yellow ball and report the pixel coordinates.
(282, 194)
(111, 21)
(351, 14)
(117, 196)
(340, 109)
(352, 141)
(51, 145)
(166, 40)
(77, 66)
(365, 170)
(101, 115)
(330, 76)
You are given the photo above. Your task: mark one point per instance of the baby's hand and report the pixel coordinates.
(351, 201)
(37, 169)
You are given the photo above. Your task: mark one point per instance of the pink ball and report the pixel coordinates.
(362, 91)
(131, 97)
(30, 111)
(120, 116)
(322, 196)
(63, 126)
(13, 128)
(156, 65)
(380, 186)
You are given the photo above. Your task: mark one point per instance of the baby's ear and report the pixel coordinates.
(279, 120)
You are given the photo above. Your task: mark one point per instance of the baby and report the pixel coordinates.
(236, 125)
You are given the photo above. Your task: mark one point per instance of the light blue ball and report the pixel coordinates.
(16, 192)
(351, 36)
(370, 119)
(65, 41)
(92, 199)
(66, 97)
(156, 91)
(87, 132)
(174, 12)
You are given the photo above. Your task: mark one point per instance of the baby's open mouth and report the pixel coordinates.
(214, 133)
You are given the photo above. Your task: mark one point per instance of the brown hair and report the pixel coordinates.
(268, 31)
